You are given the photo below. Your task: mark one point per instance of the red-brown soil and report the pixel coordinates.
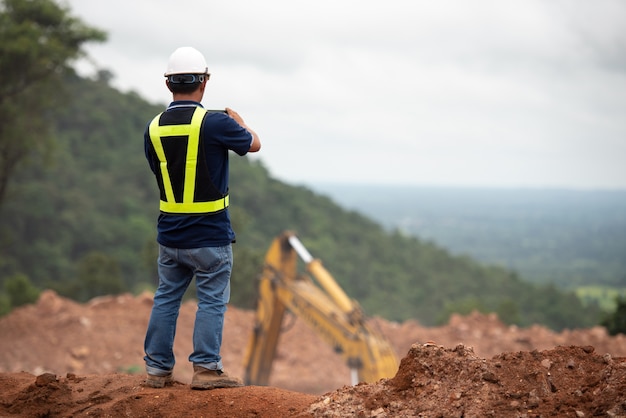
(64, 359)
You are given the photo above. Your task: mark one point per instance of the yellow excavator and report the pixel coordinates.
(324, 306)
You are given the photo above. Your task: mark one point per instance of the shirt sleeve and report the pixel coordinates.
(223, 129)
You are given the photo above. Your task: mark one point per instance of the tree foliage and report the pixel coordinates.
(38, 41)
(85, 225)
(20, 291)
(572, 238)
(98, 274)
(615, 322)
(95, 196)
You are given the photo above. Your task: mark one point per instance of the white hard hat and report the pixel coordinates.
(186, 60)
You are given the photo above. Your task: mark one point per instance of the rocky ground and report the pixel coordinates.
(64, 359)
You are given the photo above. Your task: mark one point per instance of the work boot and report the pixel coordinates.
(158, 382)
(211, 379)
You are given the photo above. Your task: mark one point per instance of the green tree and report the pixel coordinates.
(246, 271)
(38, 42)
(5, 304)
(615, 323)
(98, 275)
(508, 312)
(20, 291)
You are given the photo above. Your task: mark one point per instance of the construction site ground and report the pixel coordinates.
(59, 358)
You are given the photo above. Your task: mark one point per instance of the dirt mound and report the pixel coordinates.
(434, 381)
(60, 358)
(122, 395)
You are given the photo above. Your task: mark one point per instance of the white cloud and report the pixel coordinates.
(519, 93)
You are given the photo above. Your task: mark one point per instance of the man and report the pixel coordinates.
(187, 148)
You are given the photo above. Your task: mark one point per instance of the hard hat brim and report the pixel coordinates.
(169, 73)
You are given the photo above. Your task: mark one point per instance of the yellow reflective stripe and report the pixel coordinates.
(155, 137)
(192, 155)
(173, 130)
(192, 132)
(195, 207)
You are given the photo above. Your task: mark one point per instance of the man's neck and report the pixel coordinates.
(187, 97)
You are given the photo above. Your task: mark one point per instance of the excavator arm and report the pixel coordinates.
(325, 307)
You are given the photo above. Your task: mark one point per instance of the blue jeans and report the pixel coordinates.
(176, 267)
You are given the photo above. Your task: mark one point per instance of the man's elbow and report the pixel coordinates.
(255, 145)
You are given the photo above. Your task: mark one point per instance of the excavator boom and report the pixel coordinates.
(325, 307)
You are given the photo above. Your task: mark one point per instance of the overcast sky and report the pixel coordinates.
(487, 93)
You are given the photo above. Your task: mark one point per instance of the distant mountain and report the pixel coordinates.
(567, 237)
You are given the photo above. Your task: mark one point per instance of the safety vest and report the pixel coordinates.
(184, 181)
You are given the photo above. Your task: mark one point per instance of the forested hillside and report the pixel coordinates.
(83, 224)
(570, 238)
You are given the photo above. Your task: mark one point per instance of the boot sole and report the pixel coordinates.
(215, 385)
(158, 383)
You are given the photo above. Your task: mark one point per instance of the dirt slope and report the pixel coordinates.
(59, 358)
